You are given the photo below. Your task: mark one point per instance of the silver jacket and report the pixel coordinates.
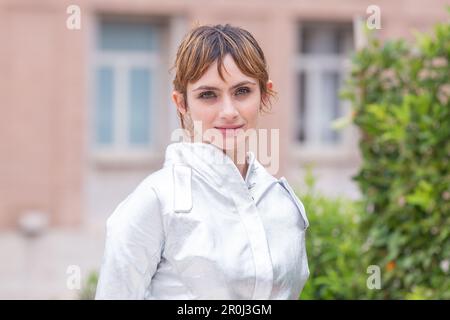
(196, 229)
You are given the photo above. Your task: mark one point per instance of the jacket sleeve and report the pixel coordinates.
(296, 201)
(134, 241)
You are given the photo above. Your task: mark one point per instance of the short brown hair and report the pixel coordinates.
(203, 45)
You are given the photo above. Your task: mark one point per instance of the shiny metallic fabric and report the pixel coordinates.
(197, 230)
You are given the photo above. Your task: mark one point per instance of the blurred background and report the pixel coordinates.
(86, 112)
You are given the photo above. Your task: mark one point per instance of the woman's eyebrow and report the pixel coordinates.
(243, 83)
(233, 87)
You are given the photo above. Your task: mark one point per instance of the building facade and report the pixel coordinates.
(86, 112)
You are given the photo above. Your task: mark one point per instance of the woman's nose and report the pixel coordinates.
(229, 110)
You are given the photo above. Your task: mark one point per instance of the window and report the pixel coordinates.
(125, 86)
(321, 64)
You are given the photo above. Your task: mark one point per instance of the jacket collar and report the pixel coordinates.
(213, 164)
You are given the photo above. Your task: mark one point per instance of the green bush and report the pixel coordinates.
(88, 290)
(334, 247)
(400, 94)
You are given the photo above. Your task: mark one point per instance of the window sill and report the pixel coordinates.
(133, 159)
(338, 155)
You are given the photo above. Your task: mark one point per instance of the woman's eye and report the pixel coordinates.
(242, 90)
(207, 95)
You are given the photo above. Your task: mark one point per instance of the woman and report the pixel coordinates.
(207, 225)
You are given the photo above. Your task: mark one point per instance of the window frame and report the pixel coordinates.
(312, 65)
(122, 62)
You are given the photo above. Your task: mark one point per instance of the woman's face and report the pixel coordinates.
(227, 108)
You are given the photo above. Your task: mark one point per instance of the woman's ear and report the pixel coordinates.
(178, 99)
(269, 86)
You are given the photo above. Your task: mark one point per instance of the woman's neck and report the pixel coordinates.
(240, 162)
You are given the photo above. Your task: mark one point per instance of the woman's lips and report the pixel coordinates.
(229, 130)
